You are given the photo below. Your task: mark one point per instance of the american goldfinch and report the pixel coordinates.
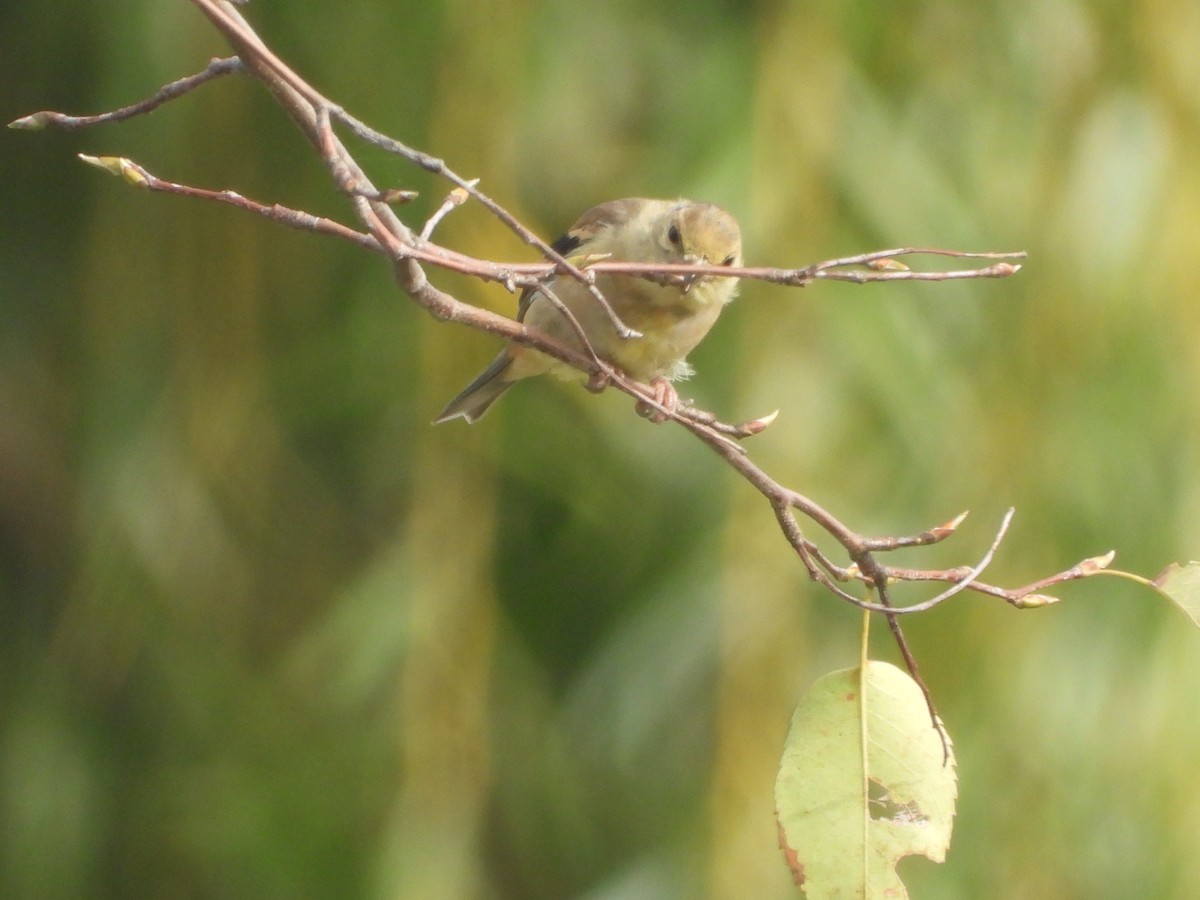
(672, 318)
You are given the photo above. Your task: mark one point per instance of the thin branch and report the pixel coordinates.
(215, 69)
(453, 201)
(139, 176)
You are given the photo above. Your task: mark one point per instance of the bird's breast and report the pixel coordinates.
(670, 329)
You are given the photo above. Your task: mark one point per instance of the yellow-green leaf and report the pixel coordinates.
(1181, 584)
(863, 783)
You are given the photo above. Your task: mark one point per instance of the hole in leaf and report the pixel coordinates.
(885, 807)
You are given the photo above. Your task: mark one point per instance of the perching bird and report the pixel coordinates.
(672, 318)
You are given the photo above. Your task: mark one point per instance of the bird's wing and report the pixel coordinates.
(586, 229)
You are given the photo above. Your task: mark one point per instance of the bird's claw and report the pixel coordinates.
(666, 401)
(597, 382)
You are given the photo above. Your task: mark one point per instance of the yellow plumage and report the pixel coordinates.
(672, 318)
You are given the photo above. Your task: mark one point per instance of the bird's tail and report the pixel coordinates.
(478, 396)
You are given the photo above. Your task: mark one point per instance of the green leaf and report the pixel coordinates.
(863, 783)
(1181, 584)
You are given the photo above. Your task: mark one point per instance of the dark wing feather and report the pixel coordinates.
(568, 243)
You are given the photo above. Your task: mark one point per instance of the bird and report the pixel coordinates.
(672, 316)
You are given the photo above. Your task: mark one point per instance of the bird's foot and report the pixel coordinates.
(597, 382)
(666, 401)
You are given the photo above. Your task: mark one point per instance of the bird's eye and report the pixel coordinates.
(673, 235)
(728, 261)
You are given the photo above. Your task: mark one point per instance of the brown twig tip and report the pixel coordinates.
(943, 531)
(396, 196)
(888, 263)
(1097, 563)
(759, 425)
(456, 198)
(1004, 269)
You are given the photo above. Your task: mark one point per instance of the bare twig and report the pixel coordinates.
(216, 68)
(293, 218)
(454, 200)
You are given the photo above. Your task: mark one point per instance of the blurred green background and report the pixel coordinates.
(266, 633)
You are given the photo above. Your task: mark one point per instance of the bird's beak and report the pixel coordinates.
(693, 259)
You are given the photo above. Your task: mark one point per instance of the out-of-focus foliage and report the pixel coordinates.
(266, 633)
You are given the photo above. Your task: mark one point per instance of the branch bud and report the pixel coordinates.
(120, 166)
(943, 531)
(887, 264)
(1097, 563)
(761, 424)
(397, 196)
(1034, 601)
(32, 122)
